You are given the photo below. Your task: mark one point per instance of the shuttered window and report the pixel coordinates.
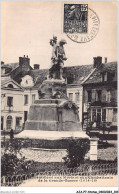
(115, 115)
(93, 96)
(104, 96)
(109, 115)
(33, 98)
(9, 101)
(25, 99)
(103, 114)
(108, 96)
(89, 95)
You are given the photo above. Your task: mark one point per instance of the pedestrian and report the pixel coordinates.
(11, 134)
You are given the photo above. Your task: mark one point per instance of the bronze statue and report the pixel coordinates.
(57, 59)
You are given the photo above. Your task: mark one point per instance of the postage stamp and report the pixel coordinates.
(81, 24)
(75, 18)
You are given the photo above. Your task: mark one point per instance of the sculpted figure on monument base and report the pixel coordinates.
(57, 59)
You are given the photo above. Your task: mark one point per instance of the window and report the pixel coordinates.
(103, 114)
(115, 115)
(99, 115)
(10, 86)
(70, 96)
(77, 95)
(2, 121)
(98, 95)
(108, 96)
(104, 76)
(89, 95)
(9, 122)
(103, 96)
(26, 81)
(109, 115)
(18, 121)
(94, 115)
(25, 99)
(9, 101)
(33, 98)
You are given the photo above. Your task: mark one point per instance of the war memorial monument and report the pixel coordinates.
(53, 115)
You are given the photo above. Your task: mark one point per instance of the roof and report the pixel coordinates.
(110, 67)
(77, 74)
(96, 76)
(11, 65)
(3, 82)
(38, 76)
(74, 74)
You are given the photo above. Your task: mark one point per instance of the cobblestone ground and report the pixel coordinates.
(40, 155)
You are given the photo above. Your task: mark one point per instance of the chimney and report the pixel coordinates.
(36, 66)
(105, 59)
(97, 61)
(24, 63)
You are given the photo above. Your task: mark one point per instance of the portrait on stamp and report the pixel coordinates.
(75, 18)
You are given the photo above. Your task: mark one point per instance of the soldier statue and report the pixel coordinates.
(57, 59)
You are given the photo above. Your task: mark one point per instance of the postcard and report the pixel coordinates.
(59, 94)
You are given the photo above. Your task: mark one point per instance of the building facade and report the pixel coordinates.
(11, 105)
(75, 75)
(92, 87)
(100, 96)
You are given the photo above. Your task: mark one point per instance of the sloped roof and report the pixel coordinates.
(11, 65)
(96, 77)
(38, 76)
(78, 73)
(110, 67)
(74, 74)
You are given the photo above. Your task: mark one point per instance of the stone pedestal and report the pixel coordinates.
(93, 148)
(52, 88)
(53, 111)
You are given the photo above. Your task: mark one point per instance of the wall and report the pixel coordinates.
(16, 110)
(27, 81)
(108, 103)
(74, 89)
(18, 105)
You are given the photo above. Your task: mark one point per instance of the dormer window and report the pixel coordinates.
(110, 76)
(10, 86)
(27, 81)
(104, 76)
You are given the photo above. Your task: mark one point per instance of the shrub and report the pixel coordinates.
(76, 152)
(12, 161)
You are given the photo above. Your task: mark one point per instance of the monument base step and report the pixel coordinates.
(51, 135)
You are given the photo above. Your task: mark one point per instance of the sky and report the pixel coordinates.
(27, 27)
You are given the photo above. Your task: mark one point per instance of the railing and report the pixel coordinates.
(83, 170)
